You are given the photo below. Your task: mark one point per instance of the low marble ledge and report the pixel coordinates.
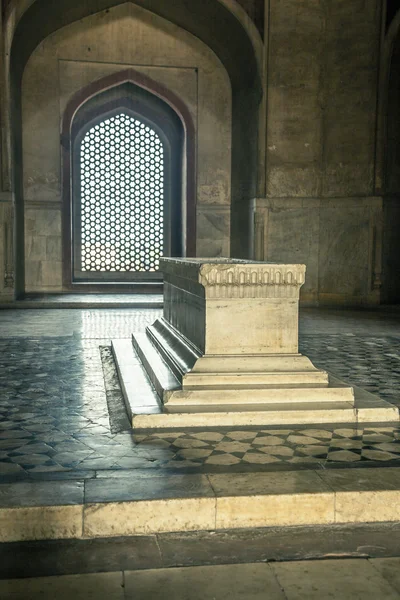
(95, 508)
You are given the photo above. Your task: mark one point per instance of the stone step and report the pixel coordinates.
(236, 547)
(165, 376)
(138, 394)
(111, 507)
(251, 379)
(260, 395)
(160, 375)
(179, 417)
(223, 389)
(147, 412)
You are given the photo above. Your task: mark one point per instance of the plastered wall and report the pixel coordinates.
(105, 43)
(321, 137)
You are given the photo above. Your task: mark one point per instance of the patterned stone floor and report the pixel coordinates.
(370, 362)
(54, 419)
(276, 446)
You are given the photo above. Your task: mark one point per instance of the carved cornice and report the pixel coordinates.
(252, 280)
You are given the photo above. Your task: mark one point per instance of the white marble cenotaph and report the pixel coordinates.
(225, 352)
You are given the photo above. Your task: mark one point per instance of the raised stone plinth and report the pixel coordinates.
(225, 352)
(229, 336)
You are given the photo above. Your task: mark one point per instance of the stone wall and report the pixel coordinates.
(322, 88)
(391, 246)
(322, 94)
(338, 239)
(318, 201)
(105, 43)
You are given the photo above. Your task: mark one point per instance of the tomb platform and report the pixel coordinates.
(225, 353)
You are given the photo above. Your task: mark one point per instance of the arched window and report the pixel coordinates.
(127, 194)
(120, 217)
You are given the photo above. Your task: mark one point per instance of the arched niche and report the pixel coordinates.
(135, 94)
(210, 21)
(182, 67)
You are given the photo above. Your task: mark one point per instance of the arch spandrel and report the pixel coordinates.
(208, 20)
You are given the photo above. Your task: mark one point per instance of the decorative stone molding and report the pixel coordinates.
(233, 306)
(252, 280)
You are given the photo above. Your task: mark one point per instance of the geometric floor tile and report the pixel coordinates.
(54, 415)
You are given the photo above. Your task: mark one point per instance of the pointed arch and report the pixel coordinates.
(81, 102)
(222, 25)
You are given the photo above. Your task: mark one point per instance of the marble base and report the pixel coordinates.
(146, 411)
(226, 351)
(377, 411)
(184, 378)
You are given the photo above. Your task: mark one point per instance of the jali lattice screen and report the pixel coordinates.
(122, 182)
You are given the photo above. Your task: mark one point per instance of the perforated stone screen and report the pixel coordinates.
(122, 182)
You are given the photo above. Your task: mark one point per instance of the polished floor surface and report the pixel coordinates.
(357, 579)
(43, 301)
(56, 402)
